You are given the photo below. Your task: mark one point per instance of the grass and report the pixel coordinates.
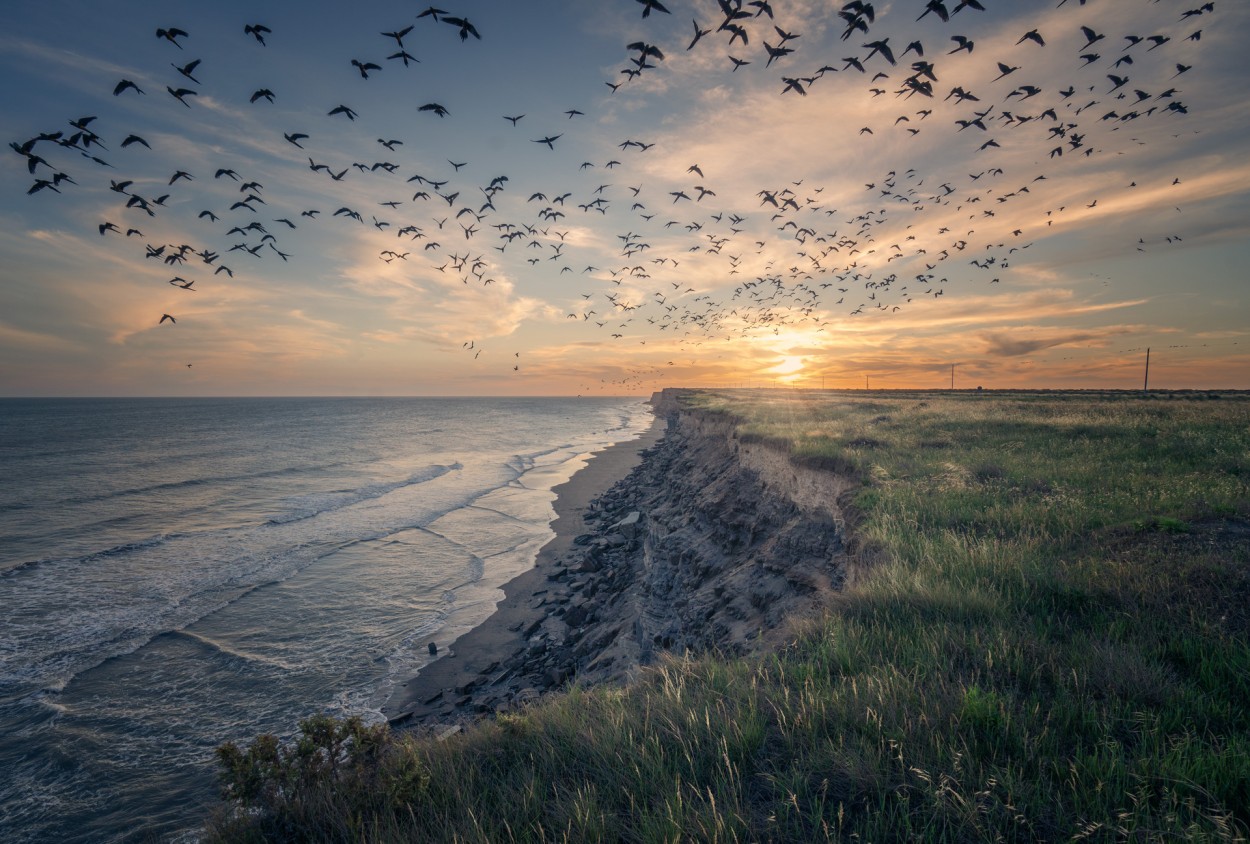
(1051, 642)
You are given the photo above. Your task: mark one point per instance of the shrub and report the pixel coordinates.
(294, 790)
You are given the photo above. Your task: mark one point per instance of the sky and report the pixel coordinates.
(811, 194)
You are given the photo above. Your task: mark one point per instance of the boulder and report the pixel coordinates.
(628, 526)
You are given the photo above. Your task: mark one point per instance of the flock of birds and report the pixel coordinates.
(808, 256)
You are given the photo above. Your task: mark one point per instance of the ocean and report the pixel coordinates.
(176, 573)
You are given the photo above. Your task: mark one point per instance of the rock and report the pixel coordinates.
(526, 695)
(444, 733)
(629, 525)
(576, 615)
(433, 649)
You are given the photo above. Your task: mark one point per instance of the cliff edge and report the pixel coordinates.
(714, 543)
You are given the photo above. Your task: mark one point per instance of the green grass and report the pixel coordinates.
(1050, 640)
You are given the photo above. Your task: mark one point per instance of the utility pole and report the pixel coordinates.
(952, 376)
(1146, 383)
(866, 382)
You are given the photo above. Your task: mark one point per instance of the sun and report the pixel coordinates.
(790, 367)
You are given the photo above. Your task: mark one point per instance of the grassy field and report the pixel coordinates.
(1050, 642)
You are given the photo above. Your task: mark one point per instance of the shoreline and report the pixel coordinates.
(448, 690)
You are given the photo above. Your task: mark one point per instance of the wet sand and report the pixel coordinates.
(448, 690)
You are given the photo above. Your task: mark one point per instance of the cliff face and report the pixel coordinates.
(713, 543)
(733, 542)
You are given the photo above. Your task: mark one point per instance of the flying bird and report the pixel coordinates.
(257, 31)
(938, 8)
(962, 44)
(466, 28)
(188, 70)
(398, 35)
(1090, 36)
(180, 93)
(648, 5)
(1004, 70)
(881, 47)
(171, 35)
(698, 33)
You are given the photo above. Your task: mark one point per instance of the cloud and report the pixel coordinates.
(1002, 344)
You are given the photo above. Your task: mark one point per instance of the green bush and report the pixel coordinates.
(281, 788)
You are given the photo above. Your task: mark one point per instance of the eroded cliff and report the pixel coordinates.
(714, 543)
(732, 543)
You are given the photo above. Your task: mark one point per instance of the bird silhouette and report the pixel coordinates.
(466, 28)
(188, 70)
(652, 5)
(257, 31)
(398, 35)
(180, 93)
(698, 33)
(961, 43)
(172, 35)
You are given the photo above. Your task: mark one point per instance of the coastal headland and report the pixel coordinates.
(835, 615)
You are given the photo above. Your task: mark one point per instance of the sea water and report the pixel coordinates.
(176, 573)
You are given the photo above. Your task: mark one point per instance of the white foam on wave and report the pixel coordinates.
(314, 504)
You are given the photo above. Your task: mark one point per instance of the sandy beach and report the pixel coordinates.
(454, 687)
